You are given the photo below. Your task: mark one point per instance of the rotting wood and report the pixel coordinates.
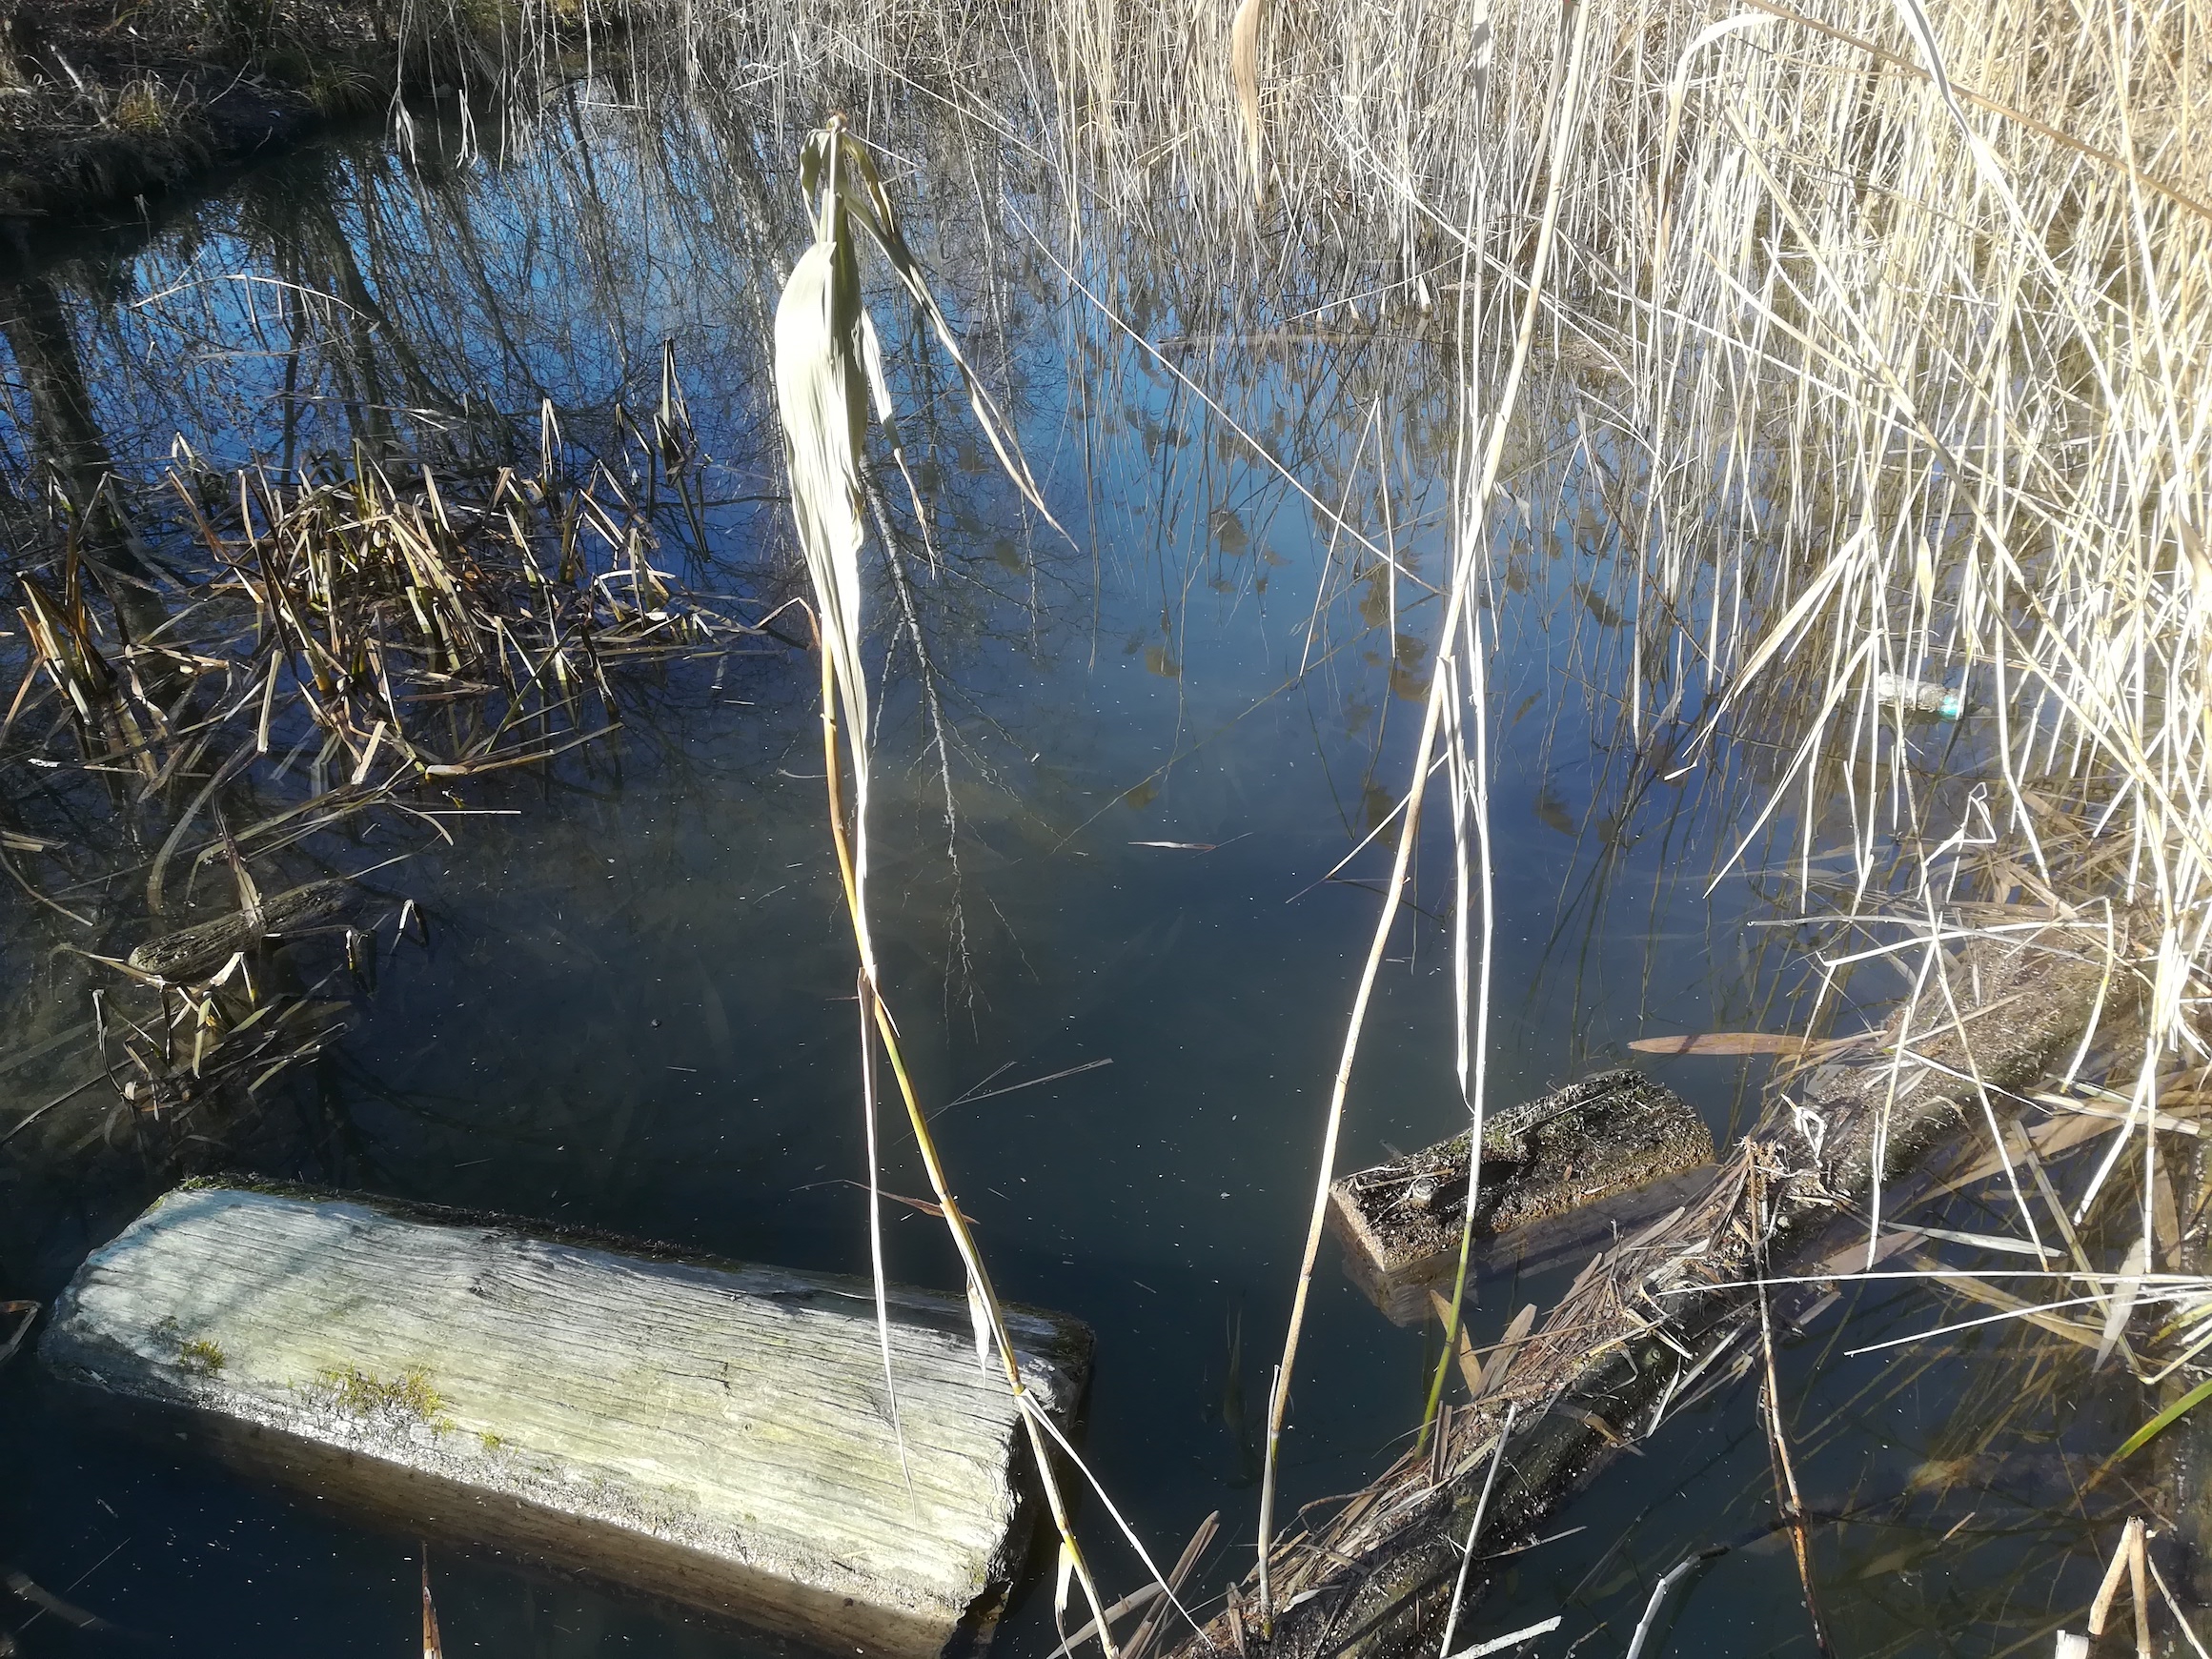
(1651, 1318)
(715, 1433)
(193, 952)
(1561, 1175)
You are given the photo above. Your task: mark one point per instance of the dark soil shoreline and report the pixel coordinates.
(104, 103)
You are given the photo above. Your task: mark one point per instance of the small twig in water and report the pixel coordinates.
(1667, 1582)
(1473, 1526)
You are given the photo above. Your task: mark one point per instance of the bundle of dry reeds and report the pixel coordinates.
(1886, 333)
(350, 642)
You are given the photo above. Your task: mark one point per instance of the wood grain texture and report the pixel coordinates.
(716, 1432)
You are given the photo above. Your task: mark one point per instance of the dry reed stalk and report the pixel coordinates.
(829, 379)
(1244, 69)
(1468, 541)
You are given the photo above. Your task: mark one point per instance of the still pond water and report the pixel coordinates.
(1124, 971)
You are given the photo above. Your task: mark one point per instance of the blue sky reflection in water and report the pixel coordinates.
(1121, 972)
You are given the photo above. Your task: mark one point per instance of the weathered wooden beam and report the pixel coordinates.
(1562, 1175)
(716, 1433)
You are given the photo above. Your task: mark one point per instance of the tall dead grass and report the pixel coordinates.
(1891, 329)
(1888, 333)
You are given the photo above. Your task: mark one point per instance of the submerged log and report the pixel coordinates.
(1650, 1318)
(714, 1433)
(193, 953)
(1560, 1174)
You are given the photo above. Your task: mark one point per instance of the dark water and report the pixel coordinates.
(633, 1009)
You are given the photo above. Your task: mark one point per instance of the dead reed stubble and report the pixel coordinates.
(352, 648)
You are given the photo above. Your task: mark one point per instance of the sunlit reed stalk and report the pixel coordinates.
(829, 378)
(983, 1298)
(1468, 543)
(1470, 778)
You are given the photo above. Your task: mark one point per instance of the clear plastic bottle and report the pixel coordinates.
(1924, 695)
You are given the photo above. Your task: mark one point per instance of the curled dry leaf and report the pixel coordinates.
(1244, 69)
(1725, 1042)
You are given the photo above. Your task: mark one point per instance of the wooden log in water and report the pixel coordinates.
(1562, 1175)
(195, 952)
(715, 1433)
(1663, 1308)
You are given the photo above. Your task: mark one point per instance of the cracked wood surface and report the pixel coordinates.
(716, 1433)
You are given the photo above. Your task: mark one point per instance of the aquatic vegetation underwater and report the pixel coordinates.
(348, 645)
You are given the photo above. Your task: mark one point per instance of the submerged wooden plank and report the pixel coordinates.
(1560, 1176)
(716, 1433)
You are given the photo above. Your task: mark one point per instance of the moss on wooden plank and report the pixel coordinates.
(712, 1432)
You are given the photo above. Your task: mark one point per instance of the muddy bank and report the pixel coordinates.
(103, 102)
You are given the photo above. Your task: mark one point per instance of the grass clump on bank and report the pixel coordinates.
(404, 1400)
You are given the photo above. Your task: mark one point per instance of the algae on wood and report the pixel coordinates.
(1561, 1175)
(718, 1434)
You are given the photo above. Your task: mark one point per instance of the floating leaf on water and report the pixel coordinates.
(1374, 604)
(1892, 1561)
(1157, 661)
(433, 1646)
(1379, 805)
(1229, 531)
(1725, 1042)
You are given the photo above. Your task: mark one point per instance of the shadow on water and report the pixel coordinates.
(1118, 773)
